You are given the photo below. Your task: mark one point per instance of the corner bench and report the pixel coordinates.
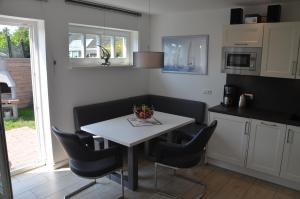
(88, 114)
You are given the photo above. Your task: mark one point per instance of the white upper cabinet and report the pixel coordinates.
(244, 35)
(230, 141)
(291, 156)
(280, 49)
(266, 147)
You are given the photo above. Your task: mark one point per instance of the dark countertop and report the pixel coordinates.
(283, 118)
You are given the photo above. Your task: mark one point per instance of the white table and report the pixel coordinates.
(119, 130)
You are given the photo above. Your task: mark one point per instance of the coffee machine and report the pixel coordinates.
(230, 97)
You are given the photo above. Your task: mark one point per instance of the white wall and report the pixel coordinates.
(72, 87)
(183, 85)
(195, 23)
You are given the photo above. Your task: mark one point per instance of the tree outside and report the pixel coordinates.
(15, 42)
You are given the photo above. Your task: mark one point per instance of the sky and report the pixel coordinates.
(12, 29)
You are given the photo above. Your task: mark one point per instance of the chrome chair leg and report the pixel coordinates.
(80, 189)
(155, 183)
(196, 182)
(155, 176)
(179, 176)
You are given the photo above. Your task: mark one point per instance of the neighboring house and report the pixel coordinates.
(75, 48)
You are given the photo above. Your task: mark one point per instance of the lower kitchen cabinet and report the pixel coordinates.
(291, 156)
(266, 145)
(229, 142)
(266, 150)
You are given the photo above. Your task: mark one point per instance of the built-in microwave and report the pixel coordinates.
(241, 60)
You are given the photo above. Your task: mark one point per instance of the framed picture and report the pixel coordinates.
(186, 54)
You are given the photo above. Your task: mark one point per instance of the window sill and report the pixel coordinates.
(84, 66)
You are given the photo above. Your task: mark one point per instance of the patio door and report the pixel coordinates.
(5, 182)
(26, 107)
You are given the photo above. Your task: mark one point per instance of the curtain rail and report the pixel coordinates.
(104, 7)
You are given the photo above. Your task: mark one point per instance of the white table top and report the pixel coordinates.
(120, 130)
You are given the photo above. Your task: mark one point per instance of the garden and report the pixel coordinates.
(25, 119)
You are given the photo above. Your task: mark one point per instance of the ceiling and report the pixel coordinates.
(164, 6)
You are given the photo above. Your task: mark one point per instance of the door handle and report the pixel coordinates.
(266, 124)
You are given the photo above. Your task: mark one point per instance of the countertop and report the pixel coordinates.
(266, 115)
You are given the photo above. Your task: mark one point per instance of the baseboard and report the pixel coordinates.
(256, 174)
(60, 164)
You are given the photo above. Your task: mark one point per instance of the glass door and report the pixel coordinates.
(5, 182)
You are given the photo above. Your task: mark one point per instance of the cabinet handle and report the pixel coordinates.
(249, 128)
(241, 44)
(266, 124)
(246, 128)
(290, 137)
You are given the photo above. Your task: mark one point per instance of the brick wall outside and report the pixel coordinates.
(20, 70)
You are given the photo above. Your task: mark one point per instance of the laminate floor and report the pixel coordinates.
(221, 184)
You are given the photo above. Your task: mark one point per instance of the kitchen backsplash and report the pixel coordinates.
(276, 94)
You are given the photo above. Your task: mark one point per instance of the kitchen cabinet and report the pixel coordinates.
(280, 50)
(244, 35)
(229, 142)
(291, 156)
(266, 146)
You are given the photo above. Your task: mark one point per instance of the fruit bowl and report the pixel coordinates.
(143, 112)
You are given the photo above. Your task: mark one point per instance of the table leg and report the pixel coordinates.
(132, 168)
(131, 180)
(147, 148)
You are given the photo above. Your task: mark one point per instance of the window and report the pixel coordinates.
(91, 46)
(75, 45)
(85, 42)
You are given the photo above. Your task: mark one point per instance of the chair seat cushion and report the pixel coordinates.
(95, 169)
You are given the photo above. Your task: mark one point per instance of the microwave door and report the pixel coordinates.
(243, 61)
(238, 61)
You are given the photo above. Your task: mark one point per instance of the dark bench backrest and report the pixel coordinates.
(84, 115)
(188, 108)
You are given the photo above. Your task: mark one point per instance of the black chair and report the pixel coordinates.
(183, 156)
(94, 142)
(88, 163)
(188, 132)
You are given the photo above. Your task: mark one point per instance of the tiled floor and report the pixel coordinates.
(22, 146)
(222, 184)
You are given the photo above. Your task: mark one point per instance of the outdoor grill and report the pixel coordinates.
(8, 97)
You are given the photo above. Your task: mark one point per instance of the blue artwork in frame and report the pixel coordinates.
(186, 54)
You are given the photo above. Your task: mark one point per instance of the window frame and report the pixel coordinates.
(100, 32)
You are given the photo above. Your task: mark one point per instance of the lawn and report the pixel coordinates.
(26, 118)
